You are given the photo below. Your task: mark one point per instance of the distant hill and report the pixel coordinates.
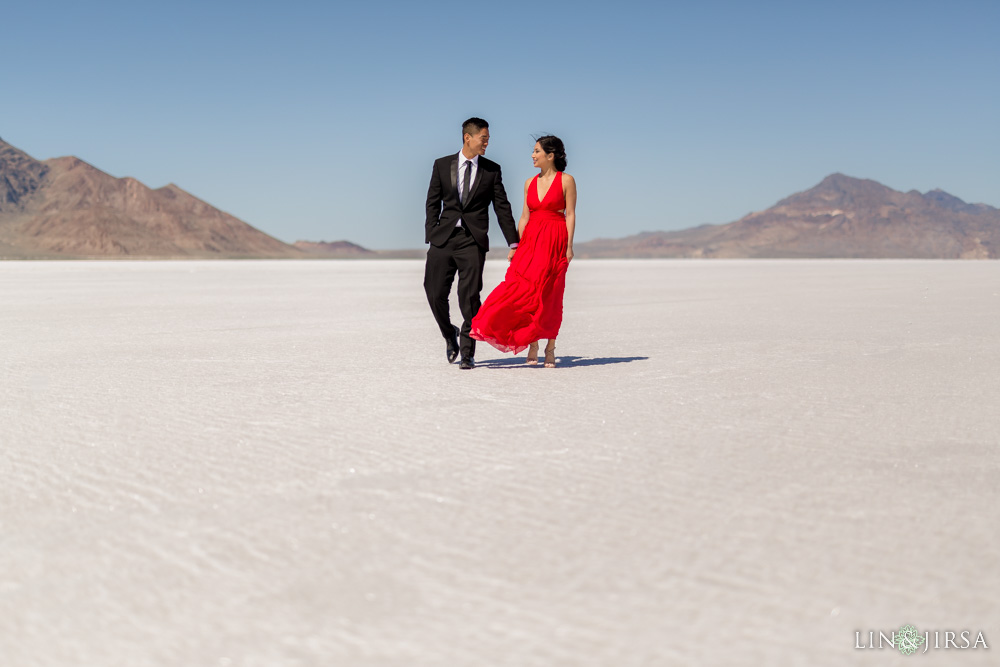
(64, 207)
(348, 250)
(841, 217)
(344, 249)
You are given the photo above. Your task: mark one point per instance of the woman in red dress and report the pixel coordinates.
(527, 306)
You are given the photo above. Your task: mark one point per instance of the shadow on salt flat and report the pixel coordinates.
(562, 362)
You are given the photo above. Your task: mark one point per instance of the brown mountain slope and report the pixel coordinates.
(20, 178)
(64, 207)
(840, 217)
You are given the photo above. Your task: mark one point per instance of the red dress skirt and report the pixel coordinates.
(528, 304)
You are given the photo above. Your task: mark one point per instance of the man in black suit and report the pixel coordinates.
(462, 188)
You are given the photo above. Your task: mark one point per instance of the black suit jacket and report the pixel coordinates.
(444, 204)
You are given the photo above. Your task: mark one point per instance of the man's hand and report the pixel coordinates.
(510, 254)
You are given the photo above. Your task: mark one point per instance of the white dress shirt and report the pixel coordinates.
(462, 160)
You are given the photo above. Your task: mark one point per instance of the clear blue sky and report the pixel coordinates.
(320, 120)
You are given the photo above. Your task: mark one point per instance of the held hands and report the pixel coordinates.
(510, 254)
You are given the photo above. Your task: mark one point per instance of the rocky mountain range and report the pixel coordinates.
(64, 208)
(841, 217)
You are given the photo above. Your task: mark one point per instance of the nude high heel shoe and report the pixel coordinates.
(532, 359)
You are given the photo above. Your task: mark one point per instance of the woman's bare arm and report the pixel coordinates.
(569, 190)
(525, 214)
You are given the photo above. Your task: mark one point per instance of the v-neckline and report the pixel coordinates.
(541, 199)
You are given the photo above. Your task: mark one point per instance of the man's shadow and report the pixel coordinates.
(561, 362)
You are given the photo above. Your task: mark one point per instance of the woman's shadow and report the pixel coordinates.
(561, 362)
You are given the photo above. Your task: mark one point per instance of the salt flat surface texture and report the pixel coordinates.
(270, 463)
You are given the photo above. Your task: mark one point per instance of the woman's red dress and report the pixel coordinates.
(528, 304)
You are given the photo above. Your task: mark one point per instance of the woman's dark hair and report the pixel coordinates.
(552, 144)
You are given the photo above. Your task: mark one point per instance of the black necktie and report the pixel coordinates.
(465, 182)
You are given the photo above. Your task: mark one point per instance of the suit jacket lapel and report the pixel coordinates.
(475, 181)
(454, 178)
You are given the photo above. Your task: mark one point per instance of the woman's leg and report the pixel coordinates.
(532, 359)
(550, 353)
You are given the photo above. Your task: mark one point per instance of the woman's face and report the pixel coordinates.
(540, 158)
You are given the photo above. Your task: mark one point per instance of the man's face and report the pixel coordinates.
(477, 143)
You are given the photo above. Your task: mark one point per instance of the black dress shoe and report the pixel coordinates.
(467, 363)
(452, 350)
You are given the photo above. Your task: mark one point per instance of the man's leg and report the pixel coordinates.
(439, 273)
(470, 259)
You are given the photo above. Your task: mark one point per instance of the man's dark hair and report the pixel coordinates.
(474, 126)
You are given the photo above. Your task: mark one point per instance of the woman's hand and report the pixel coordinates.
(569, 253)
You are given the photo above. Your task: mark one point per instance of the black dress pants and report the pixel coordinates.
(460, 253)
